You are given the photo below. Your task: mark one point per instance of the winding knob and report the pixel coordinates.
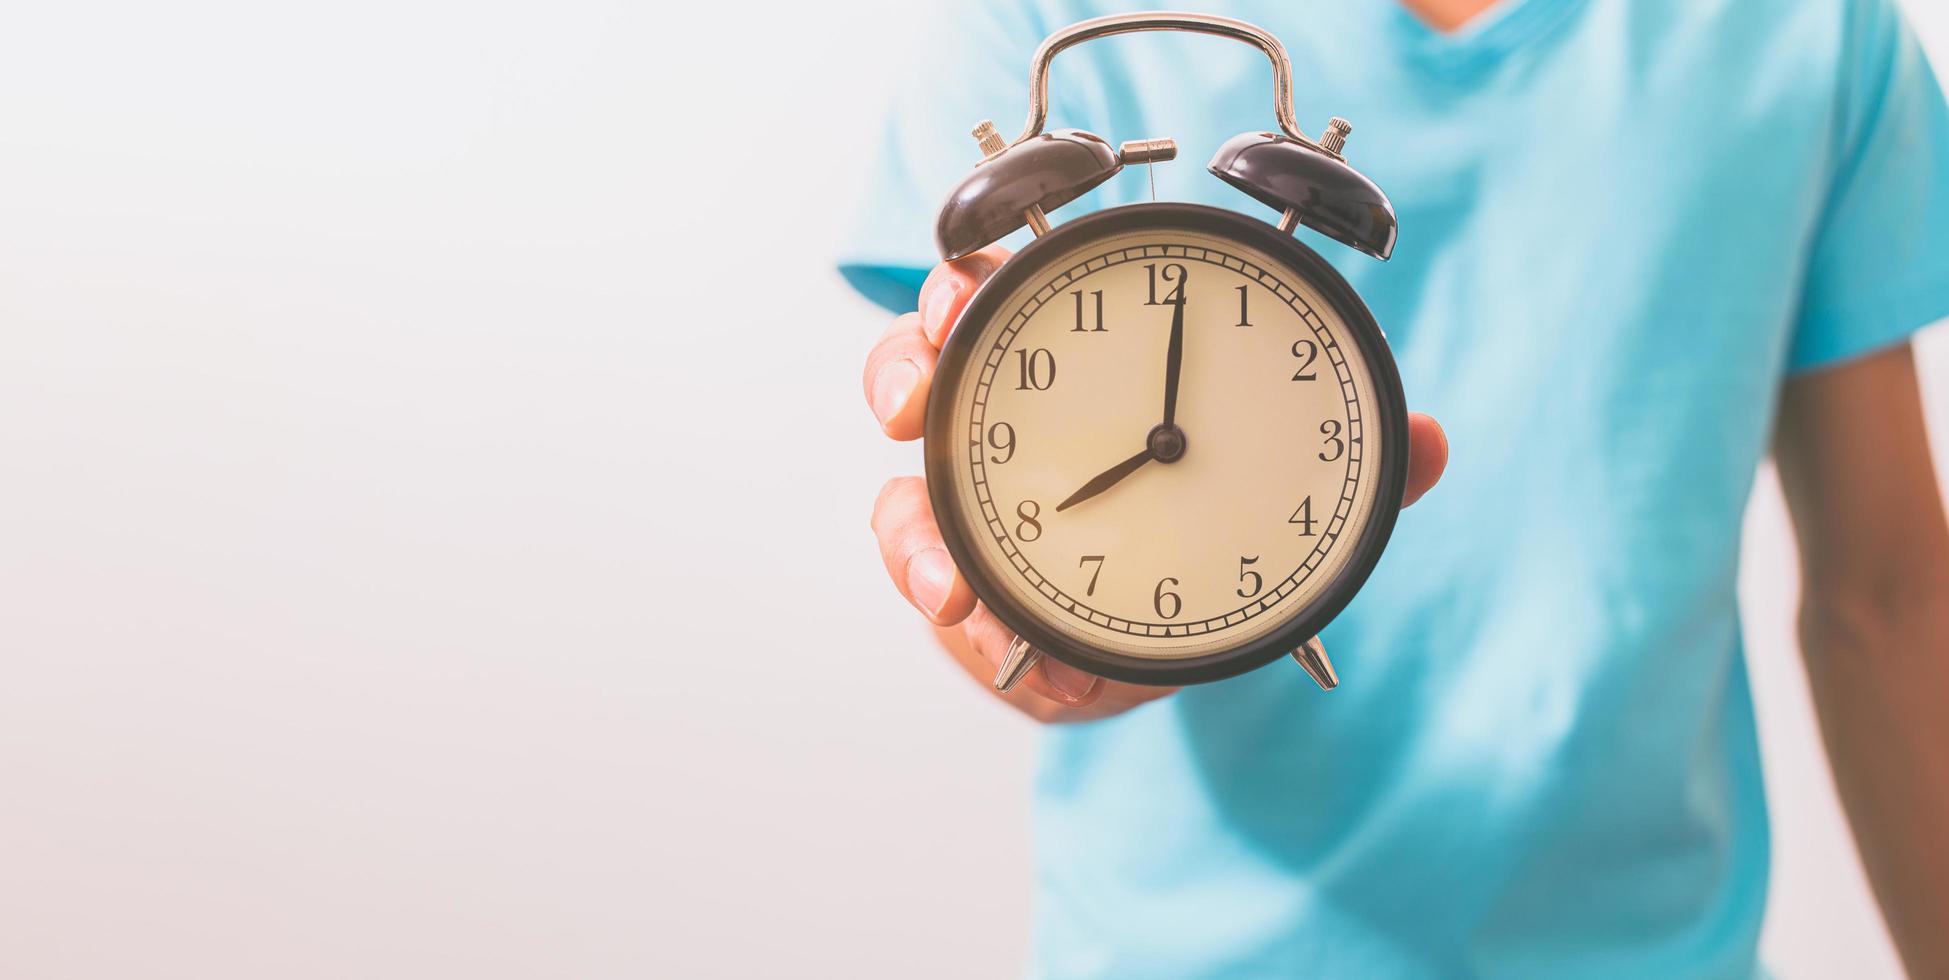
(991, 141)
(1335, 136)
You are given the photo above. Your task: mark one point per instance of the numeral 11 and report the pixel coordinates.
(1099, 328)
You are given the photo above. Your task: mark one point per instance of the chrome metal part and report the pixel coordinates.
(990, 140)
(1335, 137)
(1134, 152)
(1238, 30)
(1038, 221)
(1016, 664)
(1312, 656)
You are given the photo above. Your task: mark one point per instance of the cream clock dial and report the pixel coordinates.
(1164, 442)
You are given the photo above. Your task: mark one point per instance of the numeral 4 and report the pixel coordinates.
(1304, 518)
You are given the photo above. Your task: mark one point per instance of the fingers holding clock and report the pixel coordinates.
(899, 370)
(923, 571)
(917, 561)
(900, 367)
(1053, 691)
(947, 290)
(915, 558)
(1427, 456)
(1050, 680)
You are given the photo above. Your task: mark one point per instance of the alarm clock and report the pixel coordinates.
(1165, 443)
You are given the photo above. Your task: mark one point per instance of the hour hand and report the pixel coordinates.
(1107, 479)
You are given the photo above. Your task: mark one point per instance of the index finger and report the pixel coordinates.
(949, 287)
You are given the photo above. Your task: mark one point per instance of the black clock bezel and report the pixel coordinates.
(1390, 414)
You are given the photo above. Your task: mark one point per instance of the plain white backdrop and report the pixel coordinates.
(433, 493)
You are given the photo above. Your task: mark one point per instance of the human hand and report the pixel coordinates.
(899, 372)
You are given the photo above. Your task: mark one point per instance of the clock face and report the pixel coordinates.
(1160, 506)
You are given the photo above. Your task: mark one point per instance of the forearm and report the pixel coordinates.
(1879, 669)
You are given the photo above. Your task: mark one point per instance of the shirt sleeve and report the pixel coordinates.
(1879, 266)
(967, 62)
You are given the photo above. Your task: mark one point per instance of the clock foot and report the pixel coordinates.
(1312, 656)
(1016, 664)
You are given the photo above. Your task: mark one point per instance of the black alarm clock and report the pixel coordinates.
(1166, 443)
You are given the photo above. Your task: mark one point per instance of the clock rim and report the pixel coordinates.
(1391, 416)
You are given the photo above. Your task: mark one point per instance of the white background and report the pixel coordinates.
(433, 493)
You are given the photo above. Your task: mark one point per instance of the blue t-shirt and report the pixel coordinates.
(1622, 226)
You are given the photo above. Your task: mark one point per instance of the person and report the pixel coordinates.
(1642, 243)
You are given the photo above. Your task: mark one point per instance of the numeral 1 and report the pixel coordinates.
(1243, 320)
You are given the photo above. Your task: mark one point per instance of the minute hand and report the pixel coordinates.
(1174, 360)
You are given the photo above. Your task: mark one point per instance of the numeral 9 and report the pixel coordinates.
(1001, 436)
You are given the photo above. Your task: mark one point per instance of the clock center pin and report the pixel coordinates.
(1166, 443)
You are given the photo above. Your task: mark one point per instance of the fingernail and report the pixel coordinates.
(930, 578)
(1069, 682)
(938, 303)
(892, 387)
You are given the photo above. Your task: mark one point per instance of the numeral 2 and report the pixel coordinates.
(1311, 354)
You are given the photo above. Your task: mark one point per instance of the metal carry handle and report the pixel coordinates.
(1237, 30)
